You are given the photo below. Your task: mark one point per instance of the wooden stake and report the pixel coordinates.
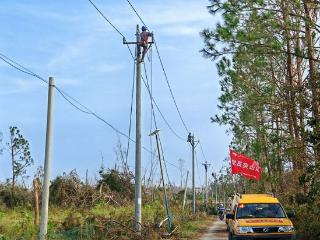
(36, 201)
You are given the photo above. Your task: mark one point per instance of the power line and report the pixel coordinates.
(165, 165)
(151, 124)
(154, 118)
(66, 97)
(136, 13)
(71, 100)
(147, 85)
(171, 93)
(131, 108)
(164, 119)
(169, 86)
(152, 101)
(102, 15)
(151, 108)
(163, 69)
(113, 26)
(90, 112)
(202, 152)
(20, 68)
(196, 158)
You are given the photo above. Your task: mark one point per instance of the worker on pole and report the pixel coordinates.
(144, 36)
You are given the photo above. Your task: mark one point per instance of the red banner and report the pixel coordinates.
(244, 165)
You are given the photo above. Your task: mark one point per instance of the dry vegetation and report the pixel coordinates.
(86, 211)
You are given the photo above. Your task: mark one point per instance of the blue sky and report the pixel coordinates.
(70, 41)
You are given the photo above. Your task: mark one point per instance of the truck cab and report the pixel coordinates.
(258, 216)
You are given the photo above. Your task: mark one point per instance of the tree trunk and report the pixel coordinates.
(303, 157)
(291, 106)
(312, 77)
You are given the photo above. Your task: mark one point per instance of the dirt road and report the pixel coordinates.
(218, 231)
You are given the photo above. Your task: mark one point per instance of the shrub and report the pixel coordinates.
(308, 218)
(119, 182)
(68, 191)
(22, 196)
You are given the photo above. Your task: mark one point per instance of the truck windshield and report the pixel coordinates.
(260, 210)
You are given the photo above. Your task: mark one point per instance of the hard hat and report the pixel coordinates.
(143, 28)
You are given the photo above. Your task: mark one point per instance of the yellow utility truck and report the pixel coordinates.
(259, 216)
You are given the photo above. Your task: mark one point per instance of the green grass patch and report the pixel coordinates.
(192, 229)
(99, 222)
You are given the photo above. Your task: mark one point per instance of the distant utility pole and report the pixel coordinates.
(216, 186)
(137, 201)
(206, 165)
(216, 194)
(193, 145)
(47, 165)
(185, 191)
(181, 163)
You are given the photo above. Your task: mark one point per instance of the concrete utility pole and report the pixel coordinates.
(185, 192)
(137, 201)
(216, 194)
(193, 145)
(47, 165)
(137, 204)
(206, 165)
(216, 186)
(156, 132)
(181, 163)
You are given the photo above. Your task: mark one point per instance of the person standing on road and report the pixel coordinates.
(221, 211)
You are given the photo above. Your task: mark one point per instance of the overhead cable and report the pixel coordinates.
(162, 116)
(20, 68)
(202, 152)
(110, 23)
(149, 87)
(71, 100)
(196, 158)
(106, 18)
(163, 69)
(131, 109)
(168, 84)
(136, 13)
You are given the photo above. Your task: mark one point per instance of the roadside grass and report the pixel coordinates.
(196, 227)
(16, 224)
(100, 222)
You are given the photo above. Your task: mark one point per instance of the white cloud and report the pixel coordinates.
(106, 68)
(73, 51)
(16, 86)
(38, 11)
(171, 18)
(8, 92)
(181, 30)
(68, 82)
(179, 12)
